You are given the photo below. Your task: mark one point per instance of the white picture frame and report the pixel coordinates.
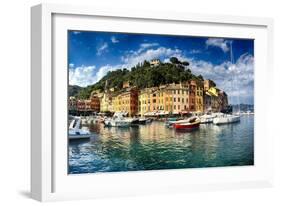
(49, 179)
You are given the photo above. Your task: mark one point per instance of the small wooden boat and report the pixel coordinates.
(187, 124)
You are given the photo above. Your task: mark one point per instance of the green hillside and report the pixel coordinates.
(143, 75)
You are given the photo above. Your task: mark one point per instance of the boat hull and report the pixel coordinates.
(82, 136)
(187, 126)
(226, 120)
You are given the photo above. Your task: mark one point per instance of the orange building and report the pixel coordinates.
(95, 104)
(126, 101)
(192, 95)
(199, 101)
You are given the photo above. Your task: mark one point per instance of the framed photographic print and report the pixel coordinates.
(133, 102)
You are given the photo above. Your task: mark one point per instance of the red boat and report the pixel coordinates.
(188, 124)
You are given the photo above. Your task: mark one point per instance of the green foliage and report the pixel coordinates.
(73, 90)
(142, 76)
(174, 60)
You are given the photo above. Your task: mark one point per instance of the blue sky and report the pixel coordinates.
(92, 54)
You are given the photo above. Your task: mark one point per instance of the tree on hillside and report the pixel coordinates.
(174, 60)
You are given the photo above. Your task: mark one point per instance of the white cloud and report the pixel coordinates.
(195, 51)
(236, 80)
(70, 65)
(139, 56)
(147, 45)
(82, 76)
(114, 40)
(102, 49)
(76, 32)
(218, 42)
(104, 69)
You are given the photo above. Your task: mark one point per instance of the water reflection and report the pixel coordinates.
(153, 146)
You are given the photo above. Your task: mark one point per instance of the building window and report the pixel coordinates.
(186, 100)
(154, 100)
(175, 107)
(175, 100)
(178, 91)
(182, 100)
(179, 99)
(179, 107)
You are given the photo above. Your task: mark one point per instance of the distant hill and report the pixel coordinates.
(143, 75)
(73, 90)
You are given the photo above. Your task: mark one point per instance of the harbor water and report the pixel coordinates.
(154, 146)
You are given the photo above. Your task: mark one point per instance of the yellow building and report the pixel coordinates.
(180, 97)
(145, 100)
(168, 99)
(106, 103)
(199, 104)
(126, 102)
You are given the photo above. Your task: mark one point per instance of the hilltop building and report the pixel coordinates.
(155, 62)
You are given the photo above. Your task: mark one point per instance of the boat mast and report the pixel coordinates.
(235, 79)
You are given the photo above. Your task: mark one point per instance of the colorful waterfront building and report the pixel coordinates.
(72, 103)
(155, 100)
(166, 99)
(192, 95)
(215, 100)
(83, 105)
(126, 101)
(144, 101)
(199, 96)
(106, 102)
(179, 94)
(95, 103)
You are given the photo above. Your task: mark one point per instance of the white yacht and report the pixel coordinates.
(74, 131)
(226, 119)
(118, 120)
(229, 118)
(208, 118)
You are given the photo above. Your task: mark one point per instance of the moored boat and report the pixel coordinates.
(74, 131)
(226, 119)
(189, 124)
(207, 118)
(144, 120)
(118, 120)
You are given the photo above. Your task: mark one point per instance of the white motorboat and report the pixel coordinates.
(118, 120)
(230, 118)
(74, 131)
(226, 119)
(207, 118)
(144, 120)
